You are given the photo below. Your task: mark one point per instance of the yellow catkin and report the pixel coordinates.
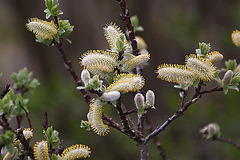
(214, 56)
(135, 61)
(203, 68)
(176, 74)
(99, 62)
(44, 29)
(112, 33)
(236, 38)
(127, 83)
(76, 151)
(41, 150)
(27, 132)
(95, 118)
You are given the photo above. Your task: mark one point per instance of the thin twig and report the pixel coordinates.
(157, 143)
(124, 119)
(126, 18)
(27, 116)
(180, 112)
(229, 141)
(4, 123)
(5, 91)
(28, 150)
(45, 121)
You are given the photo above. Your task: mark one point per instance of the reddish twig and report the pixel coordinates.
(124, 120)
(45, 121)
(126, 18)
(27, 116)
(157, 143)
(229, 141)
(180, 112)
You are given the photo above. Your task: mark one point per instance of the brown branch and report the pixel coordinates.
(28, 150)
(157, 143)
(124, 120)
(4, 123)
(27, 116)
(180, 112)
(5, 91)
(229, 141)
(126, 18)
(45, 121)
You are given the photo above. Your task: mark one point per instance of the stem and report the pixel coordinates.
(28, 150)
(157, 143)
(123, 118)
(144, 151)
(45, 121)
(5, 91)
(126, 18)
(4, 123)
(229, 141)
(180, 112)
(29, 120)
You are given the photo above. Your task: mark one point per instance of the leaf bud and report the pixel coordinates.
(139, 101)
(212, 131)
(111, 96)
(85, 76)
(227, 78)
(150, 98)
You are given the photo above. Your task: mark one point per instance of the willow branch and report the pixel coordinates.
(229, 141)
(123, 118)
(5, 91)
(157, 143)
(28, 150)
(27, 115)
(180, 112)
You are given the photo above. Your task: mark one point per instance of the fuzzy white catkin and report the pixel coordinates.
(227, 78)
(139, 101)
(150, 97)
(111, 96)
(85, 77)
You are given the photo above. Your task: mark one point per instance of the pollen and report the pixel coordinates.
(95, 118)
(41, 150)
(203, 68)
(44, 29)
(99, 62)
(127, 83)
(112, 33)
(27, 132)
(135, 61)
(176, 74)
(236, 38)
(214, 56)
(76, 151)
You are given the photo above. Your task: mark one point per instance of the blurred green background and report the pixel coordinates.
(172, 30)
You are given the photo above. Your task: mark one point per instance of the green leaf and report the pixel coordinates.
(204, 48)
(231, 64)
(48, 3)
(10, 148)
(110, 78)
(85, 125)
(55, 157)
(52, 137)
(47, 42)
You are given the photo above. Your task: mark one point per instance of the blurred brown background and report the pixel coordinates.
(172, 30)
